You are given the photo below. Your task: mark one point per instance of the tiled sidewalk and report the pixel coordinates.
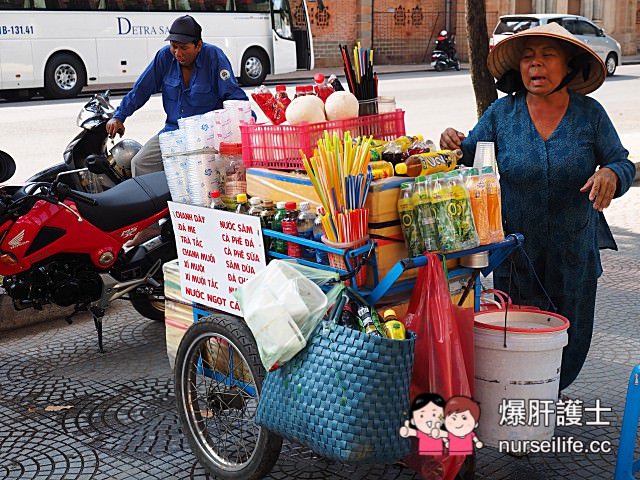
(123, 422)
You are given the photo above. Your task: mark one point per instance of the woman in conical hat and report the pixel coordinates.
(561, 162)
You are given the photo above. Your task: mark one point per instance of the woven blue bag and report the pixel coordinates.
(345, 396)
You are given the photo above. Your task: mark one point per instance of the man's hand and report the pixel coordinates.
(451, 139)
(603, 185)
(115, 126)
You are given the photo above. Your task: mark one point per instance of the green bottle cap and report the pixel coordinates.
(405, 185)
(421, 178)
(487, 169)
(452, 174)
(473, 171)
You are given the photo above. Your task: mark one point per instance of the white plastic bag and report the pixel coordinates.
(282, 305)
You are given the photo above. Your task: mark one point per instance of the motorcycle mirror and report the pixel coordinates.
(7, 166)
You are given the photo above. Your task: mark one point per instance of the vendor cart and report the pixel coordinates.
(219, 375)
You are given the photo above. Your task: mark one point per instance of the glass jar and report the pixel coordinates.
(235, 181)
(386, 104)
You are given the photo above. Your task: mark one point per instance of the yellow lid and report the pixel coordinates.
(389, 313)
(241, 198)
(401, 168)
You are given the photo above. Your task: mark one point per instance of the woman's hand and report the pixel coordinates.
(451, 139)
(603, 185)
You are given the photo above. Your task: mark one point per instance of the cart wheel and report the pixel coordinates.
(218, 378)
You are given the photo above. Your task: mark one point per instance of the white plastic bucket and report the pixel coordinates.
(527, 369)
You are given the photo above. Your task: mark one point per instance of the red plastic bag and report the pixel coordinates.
(443, 361)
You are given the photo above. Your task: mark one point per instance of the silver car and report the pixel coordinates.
(607, 48)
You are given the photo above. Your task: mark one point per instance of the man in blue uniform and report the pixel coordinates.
(194, 77)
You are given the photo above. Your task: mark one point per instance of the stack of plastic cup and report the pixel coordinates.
(172, 143)
(175, 165)
(485, 156)
(202, 179)
(222, 119)
(199, 132)
(239, 111)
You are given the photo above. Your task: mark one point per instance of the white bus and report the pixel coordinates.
(61, 46)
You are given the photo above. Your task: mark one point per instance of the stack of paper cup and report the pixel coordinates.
(485, 156)
(201, 178)
(172, 142)
(175, 168)
(199, 132)
(222, 119)
(239, 111)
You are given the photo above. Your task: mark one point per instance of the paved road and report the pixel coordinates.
(36, 132)
(123, 425)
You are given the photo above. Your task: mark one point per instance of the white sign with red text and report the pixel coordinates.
(218, 251)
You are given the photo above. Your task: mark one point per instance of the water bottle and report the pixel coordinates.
(318, 232)
(305, 229)
(278, 245)
(216, 201)
(290, 227)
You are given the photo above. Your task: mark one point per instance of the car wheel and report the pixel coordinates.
(611, 64)
(254, 68)
(64, 76)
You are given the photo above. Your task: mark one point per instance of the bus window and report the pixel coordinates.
(252, 6)
(15, 4)
(130, 5)
(282, 19)
(218, 6)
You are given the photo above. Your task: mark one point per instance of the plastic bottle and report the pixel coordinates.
(318, 232)
(393, 328)
(216, 201)
(322, 88)
(429, 163)
(308, 90)
(440, 201)
(423, 215)
(281, 96)
(242, 206)
(366, 321)
(278, 245)
(455, 209)
(290, 227)
(255, 208)
(494, 204)
(305, 229)
(381, 169)
(405, 210)
(300, 91)
(235, 173)
(479, 206)
(267, 214)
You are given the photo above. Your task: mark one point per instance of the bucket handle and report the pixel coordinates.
(502, 299)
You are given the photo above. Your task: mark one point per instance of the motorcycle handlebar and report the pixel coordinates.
(64, 191)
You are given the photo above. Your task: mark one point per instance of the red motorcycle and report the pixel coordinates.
(64, 247)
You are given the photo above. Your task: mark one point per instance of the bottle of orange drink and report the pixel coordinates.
(478, 197)
(494, 204)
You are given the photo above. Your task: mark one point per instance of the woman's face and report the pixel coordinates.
(428, 417)
(543, 65)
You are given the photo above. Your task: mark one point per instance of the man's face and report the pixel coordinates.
(460, 423)
(185, 53)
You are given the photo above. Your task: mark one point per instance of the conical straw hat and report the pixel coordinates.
(506, 56)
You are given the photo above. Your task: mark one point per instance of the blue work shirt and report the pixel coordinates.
(211, 83)
(541, 181)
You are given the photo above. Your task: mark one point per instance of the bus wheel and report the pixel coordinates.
(64, 76)
(255, 66)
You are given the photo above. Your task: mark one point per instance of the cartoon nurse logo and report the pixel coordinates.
(460, 414)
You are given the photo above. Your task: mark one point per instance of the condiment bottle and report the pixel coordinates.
(429, 163)
(255, 207)
(267, 214)
(278, 245)
(300, 91)
(242, 206)
(216, 201)
(281, 96)
(322, 88)
(290, 227)
(305, 229)
(494, 204)
(479, 205)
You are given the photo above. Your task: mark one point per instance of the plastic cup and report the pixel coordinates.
(485, 156)
(337, 260)
(386, 104)
(367, 107)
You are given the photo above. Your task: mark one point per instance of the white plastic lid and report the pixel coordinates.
(255, 201)
(305, 206)
(281, 205)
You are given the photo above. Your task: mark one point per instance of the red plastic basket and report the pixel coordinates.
(278, 146)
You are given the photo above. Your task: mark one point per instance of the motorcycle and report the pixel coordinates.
(98, 168)
(444, 56)
(65, 247)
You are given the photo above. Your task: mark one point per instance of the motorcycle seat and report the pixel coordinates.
(128, 202)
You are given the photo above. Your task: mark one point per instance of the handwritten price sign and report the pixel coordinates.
(218, 251)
